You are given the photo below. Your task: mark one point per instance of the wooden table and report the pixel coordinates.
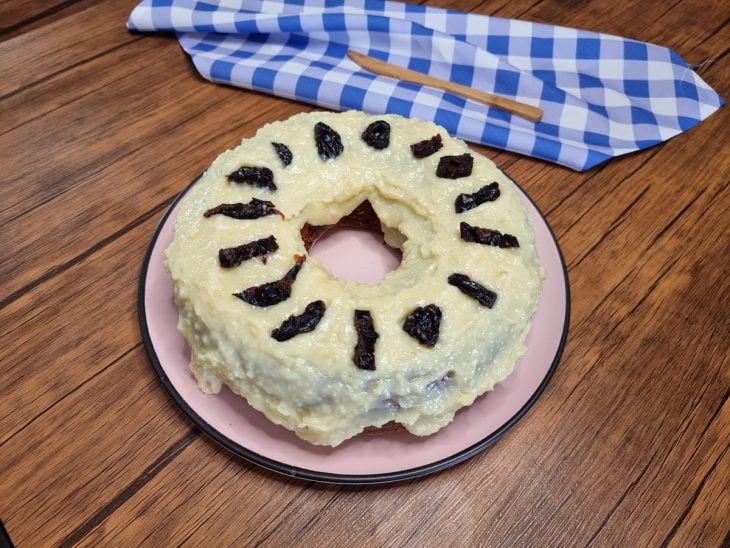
(100, 129)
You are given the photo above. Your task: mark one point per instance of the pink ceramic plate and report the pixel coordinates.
(367, 458)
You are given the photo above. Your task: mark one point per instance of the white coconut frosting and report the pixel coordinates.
(310, 384)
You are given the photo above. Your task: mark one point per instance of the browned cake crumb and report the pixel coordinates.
(362, 217)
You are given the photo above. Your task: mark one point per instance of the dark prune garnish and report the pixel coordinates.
(487, 236)
(233, 256)
(485, 297)
(329, 143)
(377, 134)
(423, 324)
(364, 357)
(274, 292)
(304, 323)
(260, 177)
(284, 153)
(253, 210)
(455, 167)
(425, 148)
(487, 193)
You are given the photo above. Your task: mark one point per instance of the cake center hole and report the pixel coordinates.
(354, 249)
(356, 254)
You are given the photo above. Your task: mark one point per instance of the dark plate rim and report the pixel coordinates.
(325, 477)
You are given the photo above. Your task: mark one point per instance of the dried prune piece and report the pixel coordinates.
(487, 193)
(455, 167)
(377, 134)
(487, 236)
(274, 292)
(260, 177)
(303, 323)
(364, 356)
(284, 153)
(253, 210)
(425, 148)
(485, 297)
(329, 143)
(233, 256)
(423, 324)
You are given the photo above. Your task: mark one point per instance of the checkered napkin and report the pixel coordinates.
(602, 95)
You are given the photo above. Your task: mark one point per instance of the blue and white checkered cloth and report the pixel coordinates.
(602, 95)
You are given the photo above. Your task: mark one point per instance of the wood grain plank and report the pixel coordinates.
(84, 450)
(283, 511)
(670, 24)
(696, 526)
(680, 27)
(611, 455)
(36, 345)
(152, 103)
(371, 515)
(627, 278)
(677, 417)
(71, 84)
(14, 13)
(663, 194)
(21, 17)
(133, 167)
(711, 52)
(442, 510)
(214, 491)
(53, 47)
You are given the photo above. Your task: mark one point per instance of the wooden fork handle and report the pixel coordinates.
(529, 112)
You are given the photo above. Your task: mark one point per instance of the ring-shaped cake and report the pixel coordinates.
(326, 357)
